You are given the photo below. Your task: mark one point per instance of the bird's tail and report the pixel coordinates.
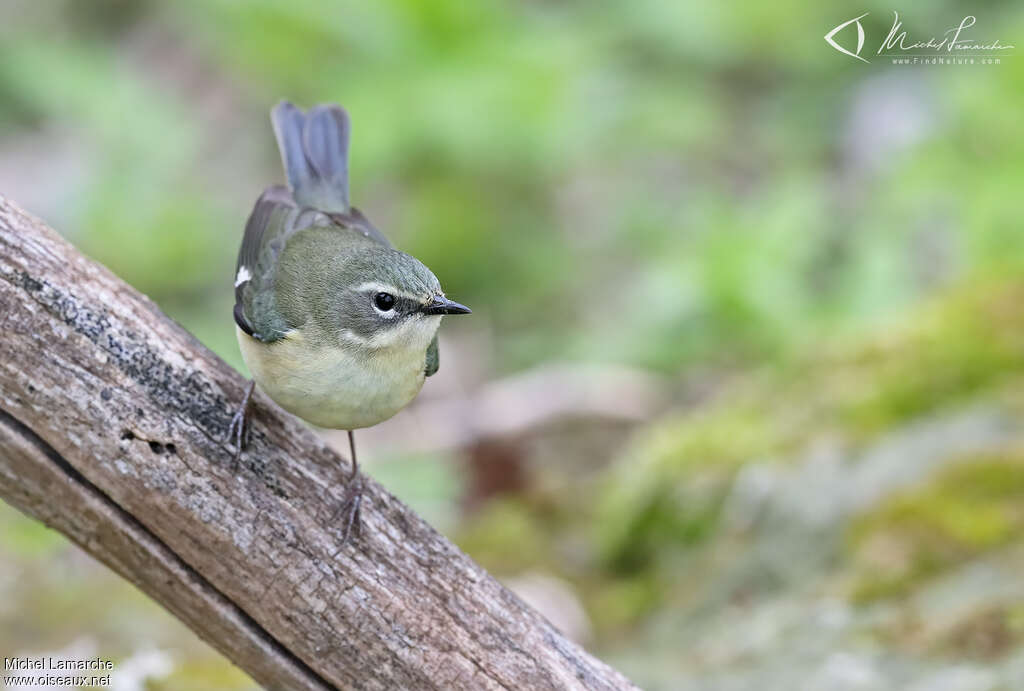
(314, 150)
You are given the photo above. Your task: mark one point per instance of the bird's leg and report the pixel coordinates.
(350, 508)
(238, 432)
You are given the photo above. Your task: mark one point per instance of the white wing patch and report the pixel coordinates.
(243, 276)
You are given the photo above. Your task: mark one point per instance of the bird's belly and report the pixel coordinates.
(330, 387)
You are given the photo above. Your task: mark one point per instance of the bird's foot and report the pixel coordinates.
(239, 430)
(350, 512)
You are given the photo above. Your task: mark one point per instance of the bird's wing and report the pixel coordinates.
(274, 220)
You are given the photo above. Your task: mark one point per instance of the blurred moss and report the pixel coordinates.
(967, 509)
(616, 605)
(506, 537)
(670, 520)
(969, 341)
(664, 497)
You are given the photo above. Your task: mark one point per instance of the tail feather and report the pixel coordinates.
(325, 139)
(314, 151)
(288, 123)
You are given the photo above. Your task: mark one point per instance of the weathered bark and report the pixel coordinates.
(112, 420)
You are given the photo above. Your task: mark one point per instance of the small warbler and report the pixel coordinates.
(335, 325)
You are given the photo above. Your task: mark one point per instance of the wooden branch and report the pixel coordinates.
(112, 421)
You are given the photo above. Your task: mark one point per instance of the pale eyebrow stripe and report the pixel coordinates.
(384, 288)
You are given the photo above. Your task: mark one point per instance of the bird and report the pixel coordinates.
(335, 325)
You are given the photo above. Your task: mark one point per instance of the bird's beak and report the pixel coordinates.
(442, 305)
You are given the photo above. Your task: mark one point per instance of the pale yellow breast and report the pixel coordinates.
(334, 387)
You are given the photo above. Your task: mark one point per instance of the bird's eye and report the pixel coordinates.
(384, 301)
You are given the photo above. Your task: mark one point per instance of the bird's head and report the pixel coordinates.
(383, 298)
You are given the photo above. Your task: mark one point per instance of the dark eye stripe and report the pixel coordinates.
(400, 304)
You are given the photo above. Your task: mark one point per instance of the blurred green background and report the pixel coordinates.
(740, 401)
